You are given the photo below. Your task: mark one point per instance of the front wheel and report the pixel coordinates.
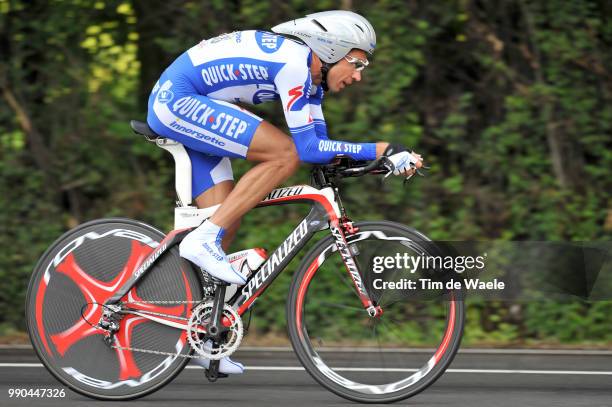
(373, 359)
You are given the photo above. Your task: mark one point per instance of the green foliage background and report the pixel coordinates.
(509, 101)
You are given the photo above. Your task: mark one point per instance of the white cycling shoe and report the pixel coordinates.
(226, 365)
(203, 247)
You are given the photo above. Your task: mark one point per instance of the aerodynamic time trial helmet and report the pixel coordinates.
(332, 34)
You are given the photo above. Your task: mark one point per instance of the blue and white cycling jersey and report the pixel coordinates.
(193, 100)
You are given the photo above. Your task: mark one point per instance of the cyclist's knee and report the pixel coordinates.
(289, 158)
(273, 146)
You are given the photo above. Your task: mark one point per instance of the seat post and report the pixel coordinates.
(182, 172)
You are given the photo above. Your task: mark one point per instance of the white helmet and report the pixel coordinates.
(332, 34)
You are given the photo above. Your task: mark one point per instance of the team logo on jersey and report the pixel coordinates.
(294, 94)
(264, 95)
(200, 113)
(236, 71)
(339, 147)
(268, 42)
(217, 73)
(165, 96)
(298, 97)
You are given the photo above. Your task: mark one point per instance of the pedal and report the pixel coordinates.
(218, 376)
(212, 373)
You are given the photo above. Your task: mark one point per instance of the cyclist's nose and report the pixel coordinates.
(356, 75)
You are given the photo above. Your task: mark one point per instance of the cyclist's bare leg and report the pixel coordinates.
(278, 160)
(216, 195)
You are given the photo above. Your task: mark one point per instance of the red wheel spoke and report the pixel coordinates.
(69, 337)
(95, 292)
(127, 365)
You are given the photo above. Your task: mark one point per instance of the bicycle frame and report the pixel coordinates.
(326, 213)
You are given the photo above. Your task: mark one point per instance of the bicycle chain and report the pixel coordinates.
(159, 352)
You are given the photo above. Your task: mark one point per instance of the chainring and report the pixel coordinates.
(195, 333)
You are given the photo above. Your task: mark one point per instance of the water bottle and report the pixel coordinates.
(244, 262)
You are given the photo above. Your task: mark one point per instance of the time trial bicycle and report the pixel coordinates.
(115, 313)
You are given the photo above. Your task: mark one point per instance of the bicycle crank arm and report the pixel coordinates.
(216, 327)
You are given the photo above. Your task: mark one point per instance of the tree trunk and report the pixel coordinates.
(154, 17)
(567, 160)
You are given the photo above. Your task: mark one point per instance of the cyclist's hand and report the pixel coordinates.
(405, 163)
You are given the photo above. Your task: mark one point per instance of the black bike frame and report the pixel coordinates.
(325, 213)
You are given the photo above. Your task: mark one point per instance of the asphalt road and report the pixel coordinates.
(275, 378)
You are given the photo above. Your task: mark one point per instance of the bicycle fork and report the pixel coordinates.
(340, 229)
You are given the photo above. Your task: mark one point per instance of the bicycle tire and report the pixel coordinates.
(336, 379)
(90, 261)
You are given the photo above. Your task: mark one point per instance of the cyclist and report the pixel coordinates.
(194, 102)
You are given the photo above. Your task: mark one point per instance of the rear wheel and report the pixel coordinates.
(77, 274)
(372, 359)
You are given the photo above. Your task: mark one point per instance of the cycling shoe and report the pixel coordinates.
(203, 247)
(226, 365)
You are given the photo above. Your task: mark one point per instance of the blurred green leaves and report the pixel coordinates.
(495, 95)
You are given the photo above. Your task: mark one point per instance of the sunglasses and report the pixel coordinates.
(360, 64)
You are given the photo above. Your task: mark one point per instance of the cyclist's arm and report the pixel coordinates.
(293, 84)
(316, 111)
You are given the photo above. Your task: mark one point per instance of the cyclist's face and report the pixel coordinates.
(343, 73)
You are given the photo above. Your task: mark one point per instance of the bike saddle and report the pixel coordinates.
(143, 128)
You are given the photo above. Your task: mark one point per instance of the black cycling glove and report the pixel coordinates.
(394, 148)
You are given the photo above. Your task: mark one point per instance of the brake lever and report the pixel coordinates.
(386, 163)
(422, 174)
(418, 172)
